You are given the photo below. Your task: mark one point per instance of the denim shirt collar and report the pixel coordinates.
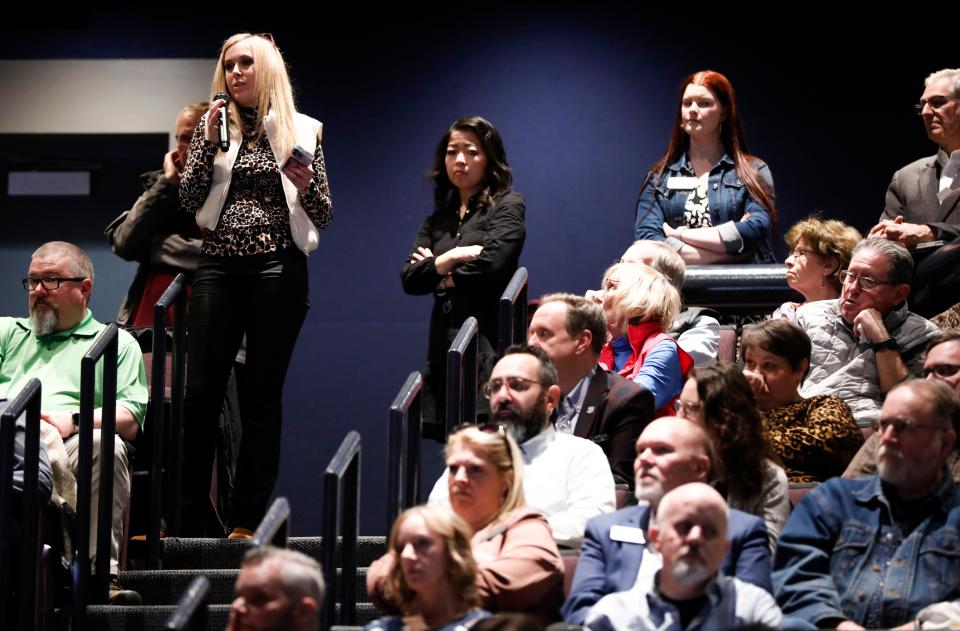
(945, 492)
(682, 164)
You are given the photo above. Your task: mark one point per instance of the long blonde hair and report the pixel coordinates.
(499, 449)
(644, 295)
(273, 89)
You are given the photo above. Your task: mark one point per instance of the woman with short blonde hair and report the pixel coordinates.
(640, 304)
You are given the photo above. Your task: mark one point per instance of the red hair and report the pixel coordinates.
(731, 135)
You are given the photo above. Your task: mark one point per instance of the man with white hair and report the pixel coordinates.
(689, 592)
(881, 551)
(277, 590)
(923, 200)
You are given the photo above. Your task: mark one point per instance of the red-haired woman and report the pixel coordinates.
(707, 197)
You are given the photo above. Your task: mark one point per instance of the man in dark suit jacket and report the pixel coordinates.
(923, 200)
(670, 452)
(594, 403)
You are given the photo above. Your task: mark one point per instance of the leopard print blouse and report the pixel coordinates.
(815, 438)
(255, 216)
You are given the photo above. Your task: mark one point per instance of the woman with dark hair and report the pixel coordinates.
(720, 398)
(431, 580)
(815, 438)
(466, 251)
(819, 250)
(261, 210)
(707, 197)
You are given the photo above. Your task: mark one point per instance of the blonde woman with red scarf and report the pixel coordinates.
(640, 304)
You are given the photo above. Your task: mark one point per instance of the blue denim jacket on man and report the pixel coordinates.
(729, 200)
(842, 556)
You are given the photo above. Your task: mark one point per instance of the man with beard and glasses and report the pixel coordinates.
(617, 552)
(277, 590)
(882, 551)
(565, 477)
(49, 345)
(688, 592)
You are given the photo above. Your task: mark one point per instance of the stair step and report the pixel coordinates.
(147, 618)
(193, 553)
(164, 587)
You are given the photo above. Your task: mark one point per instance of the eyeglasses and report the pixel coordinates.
(940, 370)
(685, 407)
(902, 428)
(798, 252)
(935, 102)
(48, 282)
(513, 384)
(866, 283)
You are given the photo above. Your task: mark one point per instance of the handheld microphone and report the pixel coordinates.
(224, 121)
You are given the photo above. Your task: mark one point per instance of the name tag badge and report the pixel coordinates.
(681, 183)
(627, 534)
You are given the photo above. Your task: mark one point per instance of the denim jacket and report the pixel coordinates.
(729, 200)
(842, 556)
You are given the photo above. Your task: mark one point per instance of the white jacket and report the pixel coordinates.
(304, 232)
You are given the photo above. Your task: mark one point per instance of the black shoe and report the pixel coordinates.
(117, 595)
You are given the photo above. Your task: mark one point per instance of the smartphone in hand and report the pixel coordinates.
(300, 155)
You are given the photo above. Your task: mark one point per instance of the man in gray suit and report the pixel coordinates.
(923, 199)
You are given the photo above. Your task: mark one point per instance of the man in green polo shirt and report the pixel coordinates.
(49, 345)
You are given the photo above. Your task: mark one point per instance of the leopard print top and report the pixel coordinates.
(815, 438)
(255, 216)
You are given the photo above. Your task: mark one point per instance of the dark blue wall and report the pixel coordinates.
(584, 101)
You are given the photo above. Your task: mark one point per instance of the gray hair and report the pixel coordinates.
(300, 575)
(80, 264)
(899, 261)
(953, 74)
(945, 400)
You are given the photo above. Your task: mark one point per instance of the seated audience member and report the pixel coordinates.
(819, 250)
(594, 403)
(815, 438)
(518, 565)
(49, 345)
(617, 553)
(688, 592)
(923, 199)
(432, 575)
(277, 589)
(866, 341)
(941, 363)
(639, 304)
(696, 329)
(155, 233)
(568, 478)
(880, 551)
(719, 398)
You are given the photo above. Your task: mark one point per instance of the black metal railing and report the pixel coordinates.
(191, 611)
(462, 376)
(175, 295)
(743, 289)
(403, 448)
(105, 348)
(27, 401)
(274, 528)
(513, 311)
(341, 507)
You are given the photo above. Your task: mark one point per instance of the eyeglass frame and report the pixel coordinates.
(904, 428)
(845, 274)
(488, 388)
(798, 252)
(923, 103)
(42, 281)
(680, 406)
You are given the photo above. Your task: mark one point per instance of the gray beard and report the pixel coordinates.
(690, 573)
(44, 321)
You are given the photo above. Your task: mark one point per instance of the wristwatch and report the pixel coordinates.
(889, 343)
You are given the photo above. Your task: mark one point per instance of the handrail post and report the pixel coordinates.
(512, 310)
(191, 611)
(461, 372)
(403, 448)
(177, 394)
(341, 478)
(274, 528)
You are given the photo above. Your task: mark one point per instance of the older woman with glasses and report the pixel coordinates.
(519, 566)
(432, 575)
(819, 250)
(815, 437)
(720, 399)
(255, 177)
